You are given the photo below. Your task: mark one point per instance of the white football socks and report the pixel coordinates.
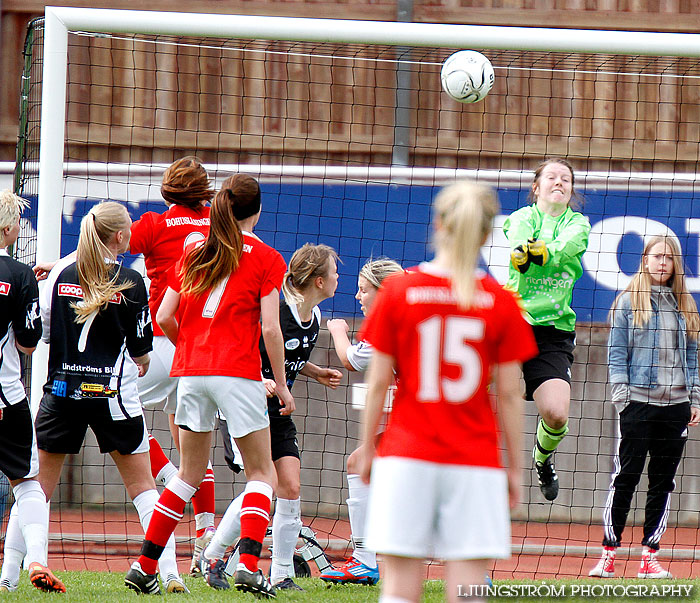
(286, 525)
(357, 510)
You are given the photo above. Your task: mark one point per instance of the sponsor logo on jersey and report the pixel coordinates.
(59, 388)
(185, 221)
(292, 344)
(247, 247)
(71, 290)
(4, 288)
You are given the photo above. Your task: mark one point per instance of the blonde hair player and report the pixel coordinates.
(653, 365)
(445, 328)
(311, 278)
(95, 315)
(219, 293)
(28, 529)
(361, 567)
(547, 240)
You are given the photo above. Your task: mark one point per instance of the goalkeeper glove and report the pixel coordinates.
(538, 252)
(520, 258)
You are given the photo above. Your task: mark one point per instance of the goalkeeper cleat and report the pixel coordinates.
(547, 478)
(253, 582)
(143, 583)
(650, 567)
(520, 258)
(42, 577)
(605, 568)
(200, 544)
(175, 585)
(538, 252)
(352, 572)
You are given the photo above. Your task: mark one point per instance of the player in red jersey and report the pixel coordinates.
(161, 238)
(218, 294)
(444, 328)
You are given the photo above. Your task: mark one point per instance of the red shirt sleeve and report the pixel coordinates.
(274, 274)
(142, 234)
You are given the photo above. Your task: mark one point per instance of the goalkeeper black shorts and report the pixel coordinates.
(554, 360)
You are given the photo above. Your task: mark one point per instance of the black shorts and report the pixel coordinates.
(283, 437)
(18, 444)
(554, 360)
(62, 423)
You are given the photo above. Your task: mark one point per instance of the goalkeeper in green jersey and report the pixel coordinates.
(547, 241)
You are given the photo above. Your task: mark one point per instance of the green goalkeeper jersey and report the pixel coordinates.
(546, 290)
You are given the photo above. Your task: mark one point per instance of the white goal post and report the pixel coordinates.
(60, 20)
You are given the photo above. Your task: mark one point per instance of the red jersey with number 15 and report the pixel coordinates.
(443, 357)
(220, 330)
(161, 238)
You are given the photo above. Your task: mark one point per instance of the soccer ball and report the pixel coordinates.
(467, 76)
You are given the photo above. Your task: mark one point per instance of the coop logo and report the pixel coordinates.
(4, 288)
(71, 290)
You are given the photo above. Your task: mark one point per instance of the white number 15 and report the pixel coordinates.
(452, 349)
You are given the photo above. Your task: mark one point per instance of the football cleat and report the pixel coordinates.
(213, 572)
(175, 585)
(143, 583)
(42, 577)
(200, 544)
(7, 587)
(605, 568)
(287, 584)
(253, 582)
(351, 572)
(547, 478)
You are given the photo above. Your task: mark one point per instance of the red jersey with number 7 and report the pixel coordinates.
(220, 330)
(443, 357)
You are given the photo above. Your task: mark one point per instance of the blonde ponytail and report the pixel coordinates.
(97, 278)
(306, 265)
(464, 212)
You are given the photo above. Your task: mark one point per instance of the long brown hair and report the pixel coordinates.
(465, 211)
(97, 278)
(639, 289)
(213, 261)
(186, 182)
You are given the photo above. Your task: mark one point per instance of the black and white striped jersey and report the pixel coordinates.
(19, 323)
(94, 359)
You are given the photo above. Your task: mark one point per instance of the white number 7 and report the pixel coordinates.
(454, 349)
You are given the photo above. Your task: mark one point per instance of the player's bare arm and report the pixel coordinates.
(380, 377)
(510, 416)
(325, 376)
(274, 344)
(341, 342)
(166, 314)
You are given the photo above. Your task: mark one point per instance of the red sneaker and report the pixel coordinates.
(650, 567)
(605, 568)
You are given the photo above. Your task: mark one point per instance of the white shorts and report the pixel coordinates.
(242, 402)
(429, 510)
(157, 386)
